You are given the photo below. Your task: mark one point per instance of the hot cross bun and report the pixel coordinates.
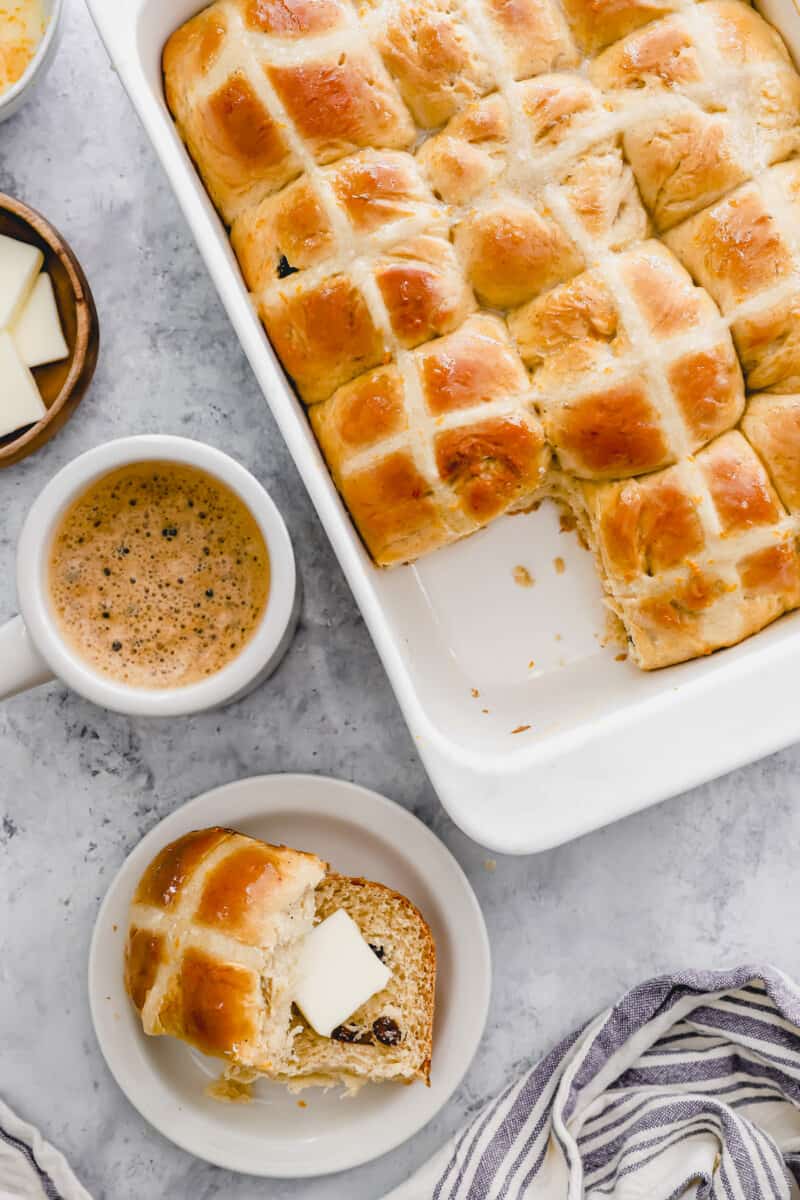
(214, 922)
(698, 556)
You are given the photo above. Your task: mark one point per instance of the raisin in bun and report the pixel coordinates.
(391, 1036)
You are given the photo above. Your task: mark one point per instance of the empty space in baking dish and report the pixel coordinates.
(456, 622)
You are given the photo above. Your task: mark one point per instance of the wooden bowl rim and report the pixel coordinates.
(84, 310)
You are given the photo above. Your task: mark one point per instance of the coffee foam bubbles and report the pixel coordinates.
(159, 575)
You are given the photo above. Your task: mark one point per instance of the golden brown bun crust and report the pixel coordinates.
(164, 880)
(491, 465)
(394, 509)
(440, 64)
(513, 252)
(324, 335)
(237, 144)
(205, 913)
(772, 425)
(687, 155)
(232, 103)
(406, 501)
(338, 107)
(328, 323)
(435, 59)
(291, 19)
(698, 556)
(743, 251)
(578, 335)
(597, 23)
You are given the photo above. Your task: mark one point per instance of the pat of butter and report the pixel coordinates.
(20, 402)
(37, 330)
(336, 973)
(19, 266)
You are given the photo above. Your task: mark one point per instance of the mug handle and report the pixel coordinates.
(21, 664)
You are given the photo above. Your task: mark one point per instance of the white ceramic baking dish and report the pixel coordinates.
(532, 732)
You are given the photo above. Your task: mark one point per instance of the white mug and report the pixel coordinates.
(33, 650)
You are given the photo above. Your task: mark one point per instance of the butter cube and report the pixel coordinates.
(20, 402)
(37, 330)
(336, 973)
(19, 266)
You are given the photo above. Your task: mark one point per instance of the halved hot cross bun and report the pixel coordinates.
(708, 98)
(745, 251)
(215, 923)
(695, 557)
(542, 183)
(433, 447)
(632, 367)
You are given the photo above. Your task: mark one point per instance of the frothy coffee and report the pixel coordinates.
(159, 575)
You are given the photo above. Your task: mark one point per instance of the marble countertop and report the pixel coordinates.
(700, 880)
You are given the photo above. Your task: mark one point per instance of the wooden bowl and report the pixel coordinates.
(62, 384)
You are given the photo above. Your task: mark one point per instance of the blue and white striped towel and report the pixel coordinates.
(30, 1169)
(689, 1086)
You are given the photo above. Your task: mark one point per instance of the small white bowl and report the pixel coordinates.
(23, 89)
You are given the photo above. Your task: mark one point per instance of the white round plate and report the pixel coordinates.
(278, 1134)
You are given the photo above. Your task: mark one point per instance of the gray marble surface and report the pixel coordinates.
(700, 880)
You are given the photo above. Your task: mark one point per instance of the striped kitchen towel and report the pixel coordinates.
(30, 1169)
(689, 1086)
